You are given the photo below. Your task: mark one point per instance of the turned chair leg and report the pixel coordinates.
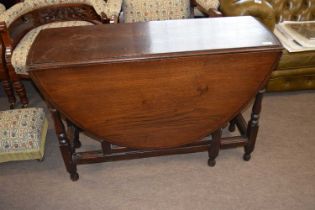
(8, 89)
(21, 92)
(252, 128)
(17, 84)
(214, 147)
(7, 85)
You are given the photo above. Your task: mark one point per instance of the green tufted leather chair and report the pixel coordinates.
(296, 71)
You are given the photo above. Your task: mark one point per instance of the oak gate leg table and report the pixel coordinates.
(153, 88)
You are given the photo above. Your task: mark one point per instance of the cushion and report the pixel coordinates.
(22, 134)
(20, 53)
(147, 10)
(109, 7)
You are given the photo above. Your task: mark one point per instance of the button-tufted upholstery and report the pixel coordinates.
(295, 10)
(296, 71)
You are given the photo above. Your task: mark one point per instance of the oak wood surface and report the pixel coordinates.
(156, 84)
(153, 39)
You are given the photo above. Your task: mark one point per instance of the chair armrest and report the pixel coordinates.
(108, 9)
(260, 9)
(208, 7)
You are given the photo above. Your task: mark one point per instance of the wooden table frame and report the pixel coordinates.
(153, 93)
(68, 136)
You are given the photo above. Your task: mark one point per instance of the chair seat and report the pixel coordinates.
(22, 134)
(20, 53)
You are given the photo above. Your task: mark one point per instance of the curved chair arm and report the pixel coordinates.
(108, 9)
(260, 9)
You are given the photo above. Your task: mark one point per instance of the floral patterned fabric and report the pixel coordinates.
(22, 134)
(109, 7)
(146, 10)
(20, 53)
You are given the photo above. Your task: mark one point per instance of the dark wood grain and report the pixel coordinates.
(157, 101)
(154, 39)
(154, 88)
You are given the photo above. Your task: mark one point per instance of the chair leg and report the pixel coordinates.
(252, 128)
(20, 90)
(17, 84)
(8, 89)
(214, 147)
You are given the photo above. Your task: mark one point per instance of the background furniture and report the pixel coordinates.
(296, 71)
(156, 88)
(4, 74)
(22, 134)
(20, 25)
(148, 10)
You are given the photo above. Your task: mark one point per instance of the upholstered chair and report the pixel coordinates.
(4, 76)
(148, 10)
(20, 25)
(22, 134)
(296, 70)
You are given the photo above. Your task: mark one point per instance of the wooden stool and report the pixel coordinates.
(22, 134)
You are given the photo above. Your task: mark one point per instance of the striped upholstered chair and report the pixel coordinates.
(20, 25)
(22, 134)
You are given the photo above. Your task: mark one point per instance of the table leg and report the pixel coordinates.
(214, 147)
(252, 128)
(73, 135)
(232, 125)
(65, 145)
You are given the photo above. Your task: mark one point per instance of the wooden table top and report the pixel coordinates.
(154, 39)
(155, 84)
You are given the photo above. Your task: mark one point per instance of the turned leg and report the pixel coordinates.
(20, 90)
(214, 147)
(18, 86)
(6, 83)
(6, 55)
(65, 146)
(76, 139)
(232, 125)
(8, 89)
(73, 135)
(252, 128)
